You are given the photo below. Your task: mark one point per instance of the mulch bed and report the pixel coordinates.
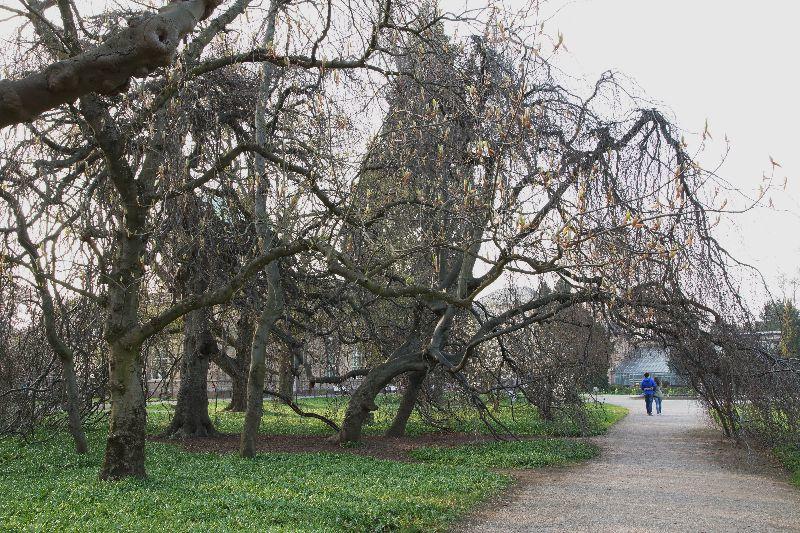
(379, 447)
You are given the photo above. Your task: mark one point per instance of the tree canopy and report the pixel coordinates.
(286, 185)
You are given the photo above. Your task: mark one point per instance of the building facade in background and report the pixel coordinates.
(629, 362)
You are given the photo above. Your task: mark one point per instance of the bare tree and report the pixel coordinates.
(485, 165)
(125, 148)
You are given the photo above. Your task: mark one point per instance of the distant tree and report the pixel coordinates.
(790, 337)
(552, 362)
(782, 316)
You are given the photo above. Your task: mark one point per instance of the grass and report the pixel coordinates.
(278, 419)
(510, 454)
(44, 486)
(790, 457)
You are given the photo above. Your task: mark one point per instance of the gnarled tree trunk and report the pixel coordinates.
(191, 412)
(362, 402)
(285, 376)
(409, 400)
(240, 365)
(124, 456)
(544, 398)
(238, 393)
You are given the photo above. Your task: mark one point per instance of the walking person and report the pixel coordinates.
(648, 387)
(658, 395)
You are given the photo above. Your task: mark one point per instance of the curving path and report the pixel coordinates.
(659, 473)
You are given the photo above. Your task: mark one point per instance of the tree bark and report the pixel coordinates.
(238, 401)
(255, 384)
(436, 388)
(285, 376)
(73, 406)
(544, 399)
(362, 402)
(244, 343)
(150, 42)
(409, 400)
(191, 412)
(124, 456)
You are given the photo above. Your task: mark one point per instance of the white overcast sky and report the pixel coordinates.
(732, 63)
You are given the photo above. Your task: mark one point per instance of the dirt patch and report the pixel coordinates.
(747, 458)
(395, 449)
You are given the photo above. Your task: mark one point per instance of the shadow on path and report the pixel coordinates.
(659, 473)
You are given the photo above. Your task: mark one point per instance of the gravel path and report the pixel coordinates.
(659, 473)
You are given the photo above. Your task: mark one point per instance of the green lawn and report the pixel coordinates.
(278, 419)
(511, 454)
(45, 487)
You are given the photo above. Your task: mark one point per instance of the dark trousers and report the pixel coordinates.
(648, 402)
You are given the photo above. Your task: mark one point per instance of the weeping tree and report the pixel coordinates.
(198, 229)
(207, 239)
(506, 171)
(485, 165)
(109, 157)
(418, 159)
(746, 383)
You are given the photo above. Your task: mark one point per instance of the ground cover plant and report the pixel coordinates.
(510, 454)
(45, 486)
(522, 419)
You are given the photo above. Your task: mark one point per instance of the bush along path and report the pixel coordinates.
(664, 473)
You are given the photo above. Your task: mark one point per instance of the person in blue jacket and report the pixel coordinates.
(649, 389)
